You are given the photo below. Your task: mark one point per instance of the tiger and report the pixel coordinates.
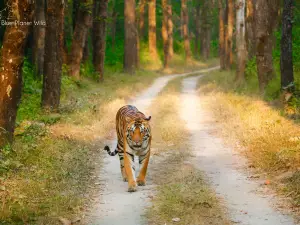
(134, 138)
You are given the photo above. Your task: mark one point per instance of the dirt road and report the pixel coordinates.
(221, 165)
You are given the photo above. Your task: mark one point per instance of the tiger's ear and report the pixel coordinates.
(148, 119)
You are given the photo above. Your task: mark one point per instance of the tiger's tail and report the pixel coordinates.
(110, 152)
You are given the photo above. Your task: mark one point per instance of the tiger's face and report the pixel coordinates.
(138, 134)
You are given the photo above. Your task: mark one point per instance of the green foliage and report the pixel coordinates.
(114, 54)
(31, 94)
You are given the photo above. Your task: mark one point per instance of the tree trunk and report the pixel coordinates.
(266, 13)
(221, 35)
(229, 35)
(152, 29)
(53, 54)
(206, 30)
(250, 37)
(185, 29)
(14, 42)
(170, 31)
(164, 31)
(3, 7)
(86, 49)
(197, 29)
(240, 41)
(82, 25)
(39, 38)
(130, 49)
(100, 38)
(113, 29)
(142, 6)
(286, 59)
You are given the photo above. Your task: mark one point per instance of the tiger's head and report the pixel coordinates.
(138, 133)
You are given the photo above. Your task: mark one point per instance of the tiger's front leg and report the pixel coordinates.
(129, 169)
(144, 161)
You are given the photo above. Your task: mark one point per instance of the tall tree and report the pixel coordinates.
(86, 49)
(39, 37)
(53, 54)
(206, 29)
(142, 10)
(170, 30)
(250, 37)
(240, 41)
(3, 9)
(229, 34)
(165, 34)
(14, 42)
(130, 49)
(152, 28)
(113, 28)
(82, 24)
(99, 25)
(286, 59)
(185, 29)
(197, 28)
(265, 14)
(221, 35)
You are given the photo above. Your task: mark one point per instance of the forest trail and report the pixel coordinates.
(246, 200)
(115, 205)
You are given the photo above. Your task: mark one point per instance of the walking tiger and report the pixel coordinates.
(134, 138)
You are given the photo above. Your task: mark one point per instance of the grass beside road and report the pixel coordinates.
(258, 129)
(48, 172)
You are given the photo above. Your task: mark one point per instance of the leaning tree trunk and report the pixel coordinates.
(82, 25)
(130, 42)
(266, 13)
(286, 59)
(229, 35)
(39, 38)
(250, 37)
(14, 42)
(142, 7)
(221, 35)
(100, 38)
(170, 31)
(53, 54)
(185, 29)
(152, 29)
(240, 41)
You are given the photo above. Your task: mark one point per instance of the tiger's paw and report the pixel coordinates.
(141, 182)
(132, 188)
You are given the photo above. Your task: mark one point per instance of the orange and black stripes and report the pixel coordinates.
(134, 138)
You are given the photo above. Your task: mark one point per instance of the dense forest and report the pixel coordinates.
(53, 39)
(51, 46)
